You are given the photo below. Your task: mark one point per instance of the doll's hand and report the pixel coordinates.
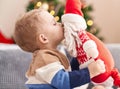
(90, 48)
(96, 67)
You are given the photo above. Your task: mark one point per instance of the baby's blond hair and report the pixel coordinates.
(26, 29)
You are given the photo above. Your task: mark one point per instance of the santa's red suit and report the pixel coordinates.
(85, 46)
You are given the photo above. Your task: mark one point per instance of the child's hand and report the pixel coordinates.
(96, 67)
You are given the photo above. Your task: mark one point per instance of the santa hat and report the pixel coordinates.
(3, 39)
(73, 22)
(73, 13)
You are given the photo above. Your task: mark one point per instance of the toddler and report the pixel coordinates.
(39, 33)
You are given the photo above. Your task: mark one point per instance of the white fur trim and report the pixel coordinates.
(75, 18)
(47, 72)
(89, 44)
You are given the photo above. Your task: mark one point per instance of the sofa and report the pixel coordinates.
(14, 62)
(13, 65)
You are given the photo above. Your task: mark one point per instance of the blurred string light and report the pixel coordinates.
(57, 18)
(45, 6)
(89, 22)
(38, 4)
(52, 12)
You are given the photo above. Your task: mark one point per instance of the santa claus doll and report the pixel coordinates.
(85, 46)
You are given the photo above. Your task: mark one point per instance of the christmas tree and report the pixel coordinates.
(56, 8)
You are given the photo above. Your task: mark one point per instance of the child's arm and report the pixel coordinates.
(74, 64)
(55, 75)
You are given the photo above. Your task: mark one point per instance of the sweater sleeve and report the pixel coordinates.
(55, 75)
(70, 80)
(74, 64)
(79, 77)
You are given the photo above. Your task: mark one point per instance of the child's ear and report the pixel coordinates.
(43, 38)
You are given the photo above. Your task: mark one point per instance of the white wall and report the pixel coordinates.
(106, 15)
(10, 10)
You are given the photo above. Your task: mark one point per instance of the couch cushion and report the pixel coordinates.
(13, 65)
(115, 51)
